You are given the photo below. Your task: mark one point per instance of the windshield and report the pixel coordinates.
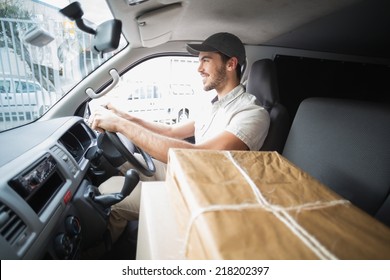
(36, 71)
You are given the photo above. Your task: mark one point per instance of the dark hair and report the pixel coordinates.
(225, 59)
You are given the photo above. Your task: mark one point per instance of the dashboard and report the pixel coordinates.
(43, 181)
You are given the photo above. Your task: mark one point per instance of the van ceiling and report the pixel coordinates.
(358, 27)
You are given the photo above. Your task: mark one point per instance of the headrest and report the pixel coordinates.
(262, 83)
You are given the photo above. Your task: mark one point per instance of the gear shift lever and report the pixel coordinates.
(131, 180)
(107, 200)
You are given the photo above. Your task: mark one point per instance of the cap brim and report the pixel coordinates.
(195, 49)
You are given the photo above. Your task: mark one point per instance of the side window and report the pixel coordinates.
(164, 89)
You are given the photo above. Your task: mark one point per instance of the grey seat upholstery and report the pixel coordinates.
(262, 83)
(345, 144)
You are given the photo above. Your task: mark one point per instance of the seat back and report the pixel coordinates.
(262, 83)
(345, 144)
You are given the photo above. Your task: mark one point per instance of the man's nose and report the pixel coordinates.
(200, 67)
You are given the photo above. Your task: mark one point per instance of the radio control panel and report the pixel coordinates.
(31, 180)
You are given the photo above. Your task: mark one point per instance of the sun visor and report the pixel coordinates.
(156, 27)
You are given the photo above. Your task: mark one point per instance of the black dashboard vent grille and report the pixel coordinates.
(11, 226)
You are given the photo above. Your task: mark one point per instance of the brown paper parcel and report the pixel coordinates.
(257, 205)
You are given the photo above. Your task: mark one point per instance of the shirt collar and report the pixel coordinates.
(233, 94)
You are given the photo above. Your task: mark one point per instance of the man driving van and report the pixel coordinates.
(235, 121)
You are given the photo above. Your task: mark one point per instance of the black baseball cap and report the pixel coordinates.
(222, 42)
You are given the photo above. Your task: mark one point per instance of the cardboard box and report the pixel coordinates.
(157, 230)
(258, 205)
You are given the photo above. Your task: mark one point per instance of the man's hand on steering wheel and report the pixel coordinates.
(104, 120)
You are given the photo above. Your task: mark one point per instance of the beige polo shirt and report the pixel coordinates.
(238, 113)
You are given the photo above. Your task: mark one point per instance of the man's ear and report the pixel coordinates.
(232, 64)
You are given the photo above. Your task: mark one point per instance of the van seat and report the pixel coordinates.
(262, 83)
(345, 144)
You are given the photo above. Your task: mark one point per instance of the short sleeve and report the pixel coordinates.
(251, 126)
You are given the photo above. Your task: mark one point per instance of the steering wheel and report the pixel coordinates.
(128, 150)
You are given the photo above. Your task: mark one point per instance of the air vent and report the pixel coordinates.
(11, 226)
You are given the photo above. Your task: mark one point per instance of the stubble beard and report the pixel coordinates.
(220, 78)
